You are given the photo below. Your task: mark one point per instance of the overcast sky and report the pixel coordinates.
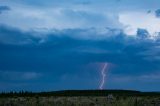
(63, 44)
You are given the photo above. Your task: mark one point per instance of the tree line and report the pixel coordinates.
(80, 93)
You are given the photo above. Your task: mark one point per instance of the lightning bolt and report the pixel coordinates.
(103, 76)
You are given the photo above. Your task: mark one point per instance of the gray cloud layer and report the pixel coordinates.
(4, 8)
(133, 55)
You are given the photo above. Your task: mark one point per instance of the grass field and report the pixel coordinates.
(107, 100)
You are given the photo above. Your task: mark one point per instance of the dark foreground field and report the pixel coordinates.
(81, 98)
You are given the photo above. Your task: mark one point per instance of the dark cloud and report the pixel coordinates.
(71, 58)
(10, 35)
(149, 11)
(4, 8)
(62, 52)
(157, 13)
(60, 47)
(142, 33)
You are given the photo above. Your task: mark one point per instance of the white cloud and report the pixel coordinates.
(27, 17)
(133, 20)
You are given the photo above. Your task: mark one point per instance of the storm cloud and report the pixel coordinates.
(57, 45)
